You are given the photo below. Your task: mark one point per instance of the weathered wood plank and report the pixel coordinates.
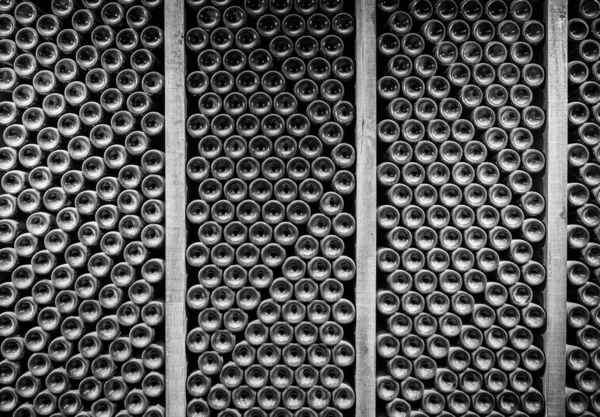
(366, 207)
(175, 208)
(556, 214)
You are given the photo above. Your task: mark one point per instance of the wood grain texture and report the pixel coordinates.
(176, 191)
(366, 207)
(556, 198)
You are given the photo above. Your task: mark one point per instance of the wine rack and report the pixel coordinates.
(299, 208)
(83, 209)
(271, 221)
(460, 215)
(582, 326)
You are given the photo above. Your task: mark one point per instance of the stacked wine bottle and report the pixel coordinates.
(583, 292)
(460, 230)
(270, 219)
(81, 208)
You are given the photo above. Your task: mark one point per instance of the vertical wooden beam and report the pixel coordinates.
(556, 198)
(366, 206)
(176, 191)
